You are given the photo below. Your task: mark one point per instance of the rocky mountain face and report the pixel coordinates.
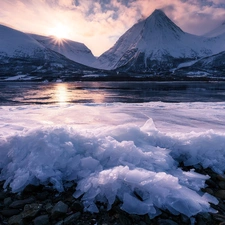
(155, 43)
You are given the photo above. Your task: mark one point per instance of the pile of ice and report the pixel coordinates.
(138, 165)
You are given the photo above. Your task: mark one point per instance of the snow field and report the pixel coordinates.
(115, 151)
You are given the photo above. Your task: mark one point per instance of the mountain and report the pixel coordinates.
(217, 31)
(215, 63)
(21, 54)
(17, 44)
(75, 51)
(155, 43)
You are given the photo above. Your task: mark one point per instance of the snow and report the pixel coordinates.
(125, 151)
(75, 51)
(14, 43)
(158, 38)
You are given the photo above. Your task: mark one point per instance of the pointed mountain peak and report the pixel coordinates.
(158, 13)
(158, 21)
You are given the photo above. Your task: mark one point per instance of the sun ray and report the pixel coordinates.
(60, 31)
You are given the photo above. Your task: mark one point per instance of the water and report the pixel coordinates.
(18, 93)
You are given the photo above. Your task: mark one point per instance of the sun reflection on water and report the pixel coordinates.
(71, 93)
(61, 93)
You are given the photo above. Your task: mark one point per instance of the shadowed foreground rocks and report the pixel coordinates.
(41, 205)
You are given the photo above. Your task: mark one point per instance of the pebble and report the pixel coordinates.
(41, 220)
(18, 204)
(72, 218)
(220, 194)
(60, 209)
(31, 210)
(40, 205)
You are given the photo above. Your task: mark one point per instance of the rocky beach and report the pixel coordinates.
(42, 205)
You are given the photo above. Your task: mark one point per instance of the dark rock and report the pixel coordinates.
(220, 194)
(60, 223)
(16, 220)
(30, 189)
(60, 209)
(124, 220)
(77, 206)
(18, 204)
(209, 190)
(41, 220)
(7, 201)
(222, 184)
(221, 177)
(211, 183)
(48, 207)
(166, 222)
(42, 195)
(10, 212)
(31, 210)
(3, 195)
(72, 218)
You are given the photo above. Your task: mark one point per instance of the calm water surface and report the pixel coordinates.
(16, 93)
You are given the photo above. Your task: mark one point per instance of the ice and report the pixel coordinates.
(116, 151)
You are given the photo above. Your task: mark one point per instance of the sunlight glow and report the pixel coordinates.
(60, 31)
(61, 93)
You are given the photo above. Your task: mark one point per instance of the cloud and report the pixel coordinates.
(99, 23)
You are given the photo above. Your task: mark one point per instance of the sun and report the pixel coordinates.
(60, 31)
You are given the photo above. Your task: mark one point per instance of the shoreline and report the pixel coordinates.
(40, 205)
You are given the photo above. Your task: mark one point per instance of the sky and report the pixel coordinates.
(99, 23)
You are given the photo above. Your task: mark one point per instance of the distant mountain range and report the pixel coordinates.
(21, 55)
(153, 46)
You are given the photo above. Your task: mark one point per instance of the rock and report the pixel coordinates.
(48, 207)
(221, 177)
(124, 220)
(220, 194)
(16, 220)
(42, 196)
(60, 209)
(222, 184)
(209, 190)
(29, 189)
(3, 195)
(19, 204)
(72, 218)
(60, 223)
(211, 183)
(77, 206)
(10, 212)
(7, 201)
(41, 220)
(31, 210)
(166, 222)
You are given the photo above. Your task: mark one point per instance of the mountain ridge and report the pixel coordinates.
(153, 43)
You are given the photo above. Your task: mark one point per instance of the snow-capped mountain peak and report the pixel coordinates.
(159, 21)
(155, 42)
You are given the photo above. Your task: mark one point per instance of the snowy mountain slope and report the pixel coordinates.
(216, 61)
(152, 43)
(22, 54)
(14, 43)
(75, 51)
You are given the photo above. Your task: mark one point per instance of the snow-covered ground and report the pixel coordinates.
(129, 151)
